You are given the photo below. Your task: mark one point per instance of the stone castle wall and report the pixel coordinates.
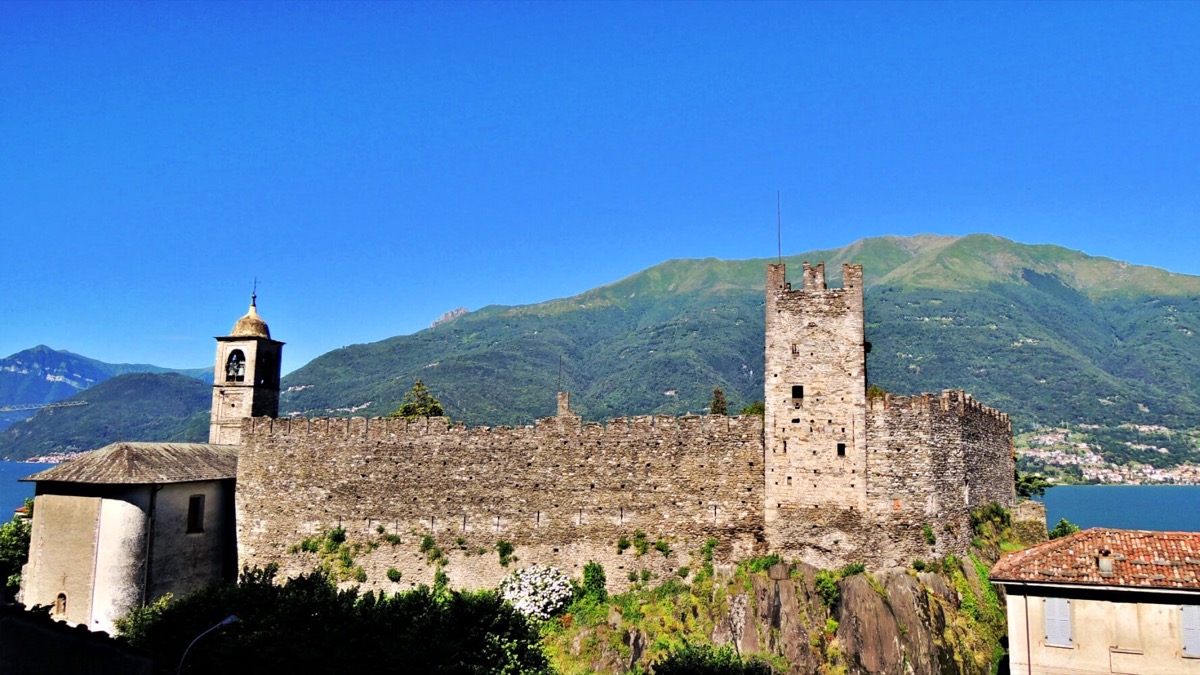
(826, 476)
(563, 492)
(930, 461)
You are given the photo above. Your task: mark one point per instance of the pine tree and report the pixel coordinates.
(419, 402)
(718, 405)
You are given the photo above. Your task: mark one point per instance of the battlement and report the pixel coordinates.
(813, 279)
(715, 426)
(950, 400)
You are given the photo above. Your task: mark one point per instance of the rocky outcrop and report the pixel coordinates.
(897, 621)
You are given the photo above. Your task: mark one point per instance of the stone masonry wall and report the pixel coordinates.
(931, 460)
(562, 492)
(826, 476)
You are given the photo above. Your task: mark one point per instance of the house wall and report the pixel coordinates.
(62, 553)
(184, 562)
(1109, 636)
(119, 568)
(93, 546)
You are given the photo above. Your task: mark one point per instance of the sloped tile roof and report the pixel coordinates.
(146, 463)
(1141, 559)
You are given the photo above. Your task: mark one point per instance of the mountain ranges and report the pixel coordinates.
(1049, 335)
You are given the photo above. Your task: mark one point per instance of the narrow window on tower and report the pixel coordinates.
(797, 391)
(841, 449)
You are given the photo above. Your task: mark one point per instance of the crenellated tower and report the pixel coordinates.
(815, 397)
(245, 377)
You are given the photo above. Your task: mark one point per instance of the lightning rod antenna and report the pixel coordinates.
(779, 225)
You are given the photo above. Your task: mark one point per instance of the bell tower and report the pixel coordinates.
(245, 377)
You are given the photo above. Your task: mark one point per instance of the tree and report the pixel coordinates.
(718, 405)
(1063, 528)
(419, 402)
(14, 549)
(1030, 485)
(308, 625)
(757, 408)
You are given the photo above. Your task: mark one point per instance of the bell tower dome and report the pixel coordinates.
(245, 377)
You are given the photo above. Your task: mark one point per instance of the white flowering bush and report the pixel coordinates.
(537, 591)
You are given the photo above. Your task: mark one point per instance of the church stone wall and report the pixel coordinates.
(562, 492)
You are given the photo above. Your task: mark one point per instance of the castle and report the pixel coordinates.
(829, 475)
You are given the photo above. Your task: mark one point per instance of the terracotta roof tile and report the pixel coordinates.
(1141, 559)
(146, 463)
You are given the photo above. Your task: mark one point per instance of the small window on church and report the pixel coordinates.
(235, 367)
(195, 517)
(60, 605)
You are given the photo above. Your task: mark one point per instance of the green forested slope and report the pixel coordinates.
(132, 407)
(1042, 332)
(44, 375)
(1047, 334)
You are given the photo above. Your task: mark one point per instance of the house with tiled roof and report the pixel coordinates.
(1104, 601)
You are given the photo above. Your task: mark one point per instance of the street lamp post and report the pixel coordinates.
(224, 622)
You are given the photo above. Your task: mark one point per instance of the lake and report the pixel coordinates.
(1131, 507)
(12, 492)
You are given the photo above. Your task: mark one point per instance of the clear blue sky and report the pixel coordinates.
(377, 164)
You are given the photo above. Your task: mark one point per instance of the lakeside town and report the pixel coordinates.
(1072, 456)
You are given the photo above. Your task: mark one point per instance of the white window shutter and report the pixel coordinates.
(1191, 630)
(1058, 621)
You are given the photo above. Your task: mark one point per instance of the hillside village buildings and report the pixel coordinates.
(829, 475)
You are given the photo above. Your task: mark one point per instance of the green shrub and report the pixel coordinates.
(505, 549)
(622, 544)
(663, 547)
(705, 659)
(763, 562)
(1063, 528)
(334, 539)
(930, 538)
(640, 544)
(595, 583)
(827, 588)
(380, 529)
(918, 564)
(683, 572)
(360, 575)
(831, 626)
(393, 539)
(427, 543)
(852, 569)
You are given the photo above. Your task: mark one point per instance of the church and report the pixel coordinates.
(126, 524)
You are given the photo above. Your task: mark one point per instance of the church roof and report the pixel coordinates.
(1139, 559)
(146, 463)
(252, 324)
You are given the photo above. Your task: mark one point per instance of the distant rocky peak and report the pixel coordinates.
(449, 316)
